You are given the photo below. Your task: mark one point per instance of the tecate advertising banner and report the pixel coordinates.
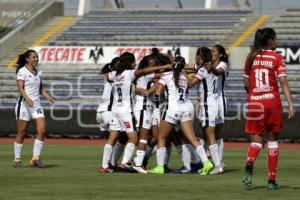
(99, 54)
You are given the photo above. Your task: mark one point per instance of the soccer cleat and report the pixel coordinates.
(167, 169)
(17, 164)
(140, 169)
(272, 185)
(157, 170)
(182, 170)
(106, 170)
(37, 163)
(207, 167)
(195, 167)
(126, 168)
(216, 170)
(247, 178)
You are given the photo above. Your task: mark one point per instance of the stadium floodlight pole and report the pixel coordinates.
(84, 7)
(209, 4)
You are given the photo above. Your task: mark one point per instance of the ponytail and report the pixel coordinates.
(125, 62)
(222, 51)
(22, 59)
(178, 66)
(261, 41)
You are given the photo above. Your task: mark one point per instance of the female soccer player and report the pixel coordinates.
(29, 83)
(220, 68)
(264, 115)
(179, 109)
(123, 118)
(208, 103)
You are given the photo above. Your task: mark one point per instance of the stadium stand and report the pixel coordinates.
(153, 27)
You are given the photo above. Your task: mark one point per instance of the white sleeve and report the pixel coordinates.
(111, 76)
(201, 74)
(21, 75)
(40, 73)
(222, 65)
(150, 76)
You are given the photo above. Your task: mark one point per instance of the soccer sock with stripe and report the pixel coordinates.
(273, 154)
(253, 152)
(107, 151)
(167, 156)
(37, 148)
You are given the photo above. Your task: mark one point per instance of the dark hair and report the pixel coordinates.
(159, 58)
(22, 59)
(125, 63)
(205, 54)
(222, 51)
(109, 67)
(261, 41)
(145, 62)
(179, 64)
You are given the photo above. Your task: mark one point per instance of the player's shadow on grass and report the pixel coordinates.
(282, 187)
(52, 166)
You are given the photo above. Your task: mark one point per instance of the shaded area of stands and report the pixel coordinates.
(4, 31)
(152, 27)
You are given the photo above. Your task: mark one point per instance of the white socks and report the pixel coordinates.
(160, 156)
(201, 153)
(140, 154)
(106, 155)
(194, 156)
(186, 157)
(17, 150)
(117, 152)
(37, 148)
(129, 150)
(221, 148)
(214, 152)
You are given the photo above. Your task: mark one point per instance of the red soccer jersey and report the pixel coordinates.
(263, 88)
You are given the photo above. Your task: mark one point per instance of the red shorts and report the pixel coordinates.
(263, 121)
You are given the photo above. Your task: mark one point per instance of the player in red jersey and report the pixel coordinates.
(264, 115)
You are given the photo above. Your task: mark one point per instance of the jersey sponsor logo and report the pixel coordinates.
(263, 89)
(262, 97)
(264, 63)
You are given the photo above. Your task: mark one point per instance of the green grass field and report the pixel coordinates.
(73, 174)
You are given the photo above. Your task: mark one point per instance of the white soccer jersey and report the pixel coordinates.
(208, 84)
(31, 84)
(222, 78)
(122, 90)
(106, 98)
(143, 102)
(175, 95)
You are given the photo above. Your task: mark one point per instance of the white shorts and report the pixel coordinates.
(26, 113)
(143, 119)
(123, 121)
(208, 112)
(104, 118)
(222, 109)
(179, 113)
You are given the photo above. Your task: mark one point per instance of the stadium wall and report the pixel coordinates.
(15, 37)
(82, 123)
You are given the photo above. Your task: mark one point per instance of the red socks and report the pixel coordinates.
(253, 151)
(273, 154)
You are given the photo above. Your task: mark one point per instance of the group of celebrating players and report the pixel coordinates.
(150, 107)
